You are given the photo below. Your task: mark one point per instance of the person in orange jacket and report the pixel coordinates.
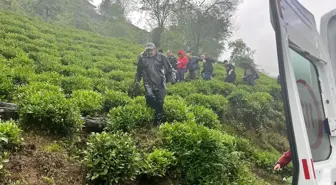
(284, 160)
(182, 63)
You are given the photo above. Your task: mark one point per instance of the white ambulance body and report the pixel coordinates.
(307, 65)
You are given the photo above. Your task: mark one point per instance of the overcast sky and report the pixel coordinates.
(252, 24)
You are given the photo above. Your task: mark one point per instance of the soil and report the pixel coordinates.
(33, 165)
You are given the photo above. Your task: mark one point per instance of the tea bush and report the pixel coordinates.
(205, 116)
(204, 156)
(112, 158)
(88, 102)
(10, 135)
(217, 103)
(129, 117)
(220, 87)
(6, 87)
(44, 106)
(140, 100)
(52, 78)
(160, 161)
(113, 99)
(252, 108)
(181, 89)
(175, 109)
(70, 84)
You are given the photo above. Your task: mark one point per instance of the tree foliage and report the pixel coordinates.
(203, 26)
(241, 54)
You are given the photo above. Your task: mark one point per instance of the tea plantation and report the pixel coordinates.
(215, 133)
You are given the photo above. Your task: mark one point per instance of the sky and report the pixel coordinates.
(252, 24)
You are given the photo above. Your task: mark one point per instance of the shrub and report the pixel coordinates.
(220, 87)
(181, 89)
(112, 158)
(202, 87)
(159, 162)
(10, 135)
(6, 87)
(21, 75)
(259, 108)
(175, 109)
(205, 116)
(217, 103)
(204, 156)
(73, 83)
(120, 75)
(44, 106)
(52, 78)
(265, 160)
(140, 100)
(253, 108)
(88, 102)
(102, 84)
(129, 117)
(113, 99)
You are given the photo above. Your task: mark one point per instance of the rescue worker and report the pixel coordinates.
(208, 68)
(182, 63)
(284, 160)
(172, 60)
(250, 75)
(230, 72)
(153, 68)
(193, 66)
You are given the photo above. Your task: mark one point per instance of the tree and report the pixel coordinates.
(48, 9)
(112, 9)
(204, 26)
(161, 11)
(241, 54)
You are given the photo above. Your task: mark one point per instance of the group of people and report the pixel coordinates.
(189, 63)
(156, 69)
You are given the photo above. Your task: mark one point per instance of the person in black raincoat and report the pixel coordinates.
(230, 72)
(208, 68)
(250, 75)
(172, 60)
(153, 67)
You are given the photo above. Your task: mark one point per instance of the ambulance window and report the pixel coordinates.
(311, 101)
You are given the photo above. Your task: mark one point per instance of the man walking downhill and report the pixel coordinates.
(153, 67)
(182, 63)
(250, 75)
(193, 66)
(230, 72)
(208, 68)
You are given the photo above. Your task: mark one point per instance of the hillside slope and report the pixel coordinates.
(216, 133)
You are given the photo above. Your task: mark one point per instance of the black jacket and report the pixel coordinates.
(208, 65)
(173, 62)
(153, 70)
(251, 72)
(230, 77)
(193, 63)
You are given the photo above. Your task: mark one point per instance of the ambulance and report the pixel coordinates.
(307, 66)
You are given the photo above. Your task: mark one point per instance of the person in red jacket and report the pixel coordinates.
(182, 63)
(284, 160)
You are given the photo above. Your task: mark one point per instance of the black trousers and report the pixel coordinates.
(155, 100)
(230, 78)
